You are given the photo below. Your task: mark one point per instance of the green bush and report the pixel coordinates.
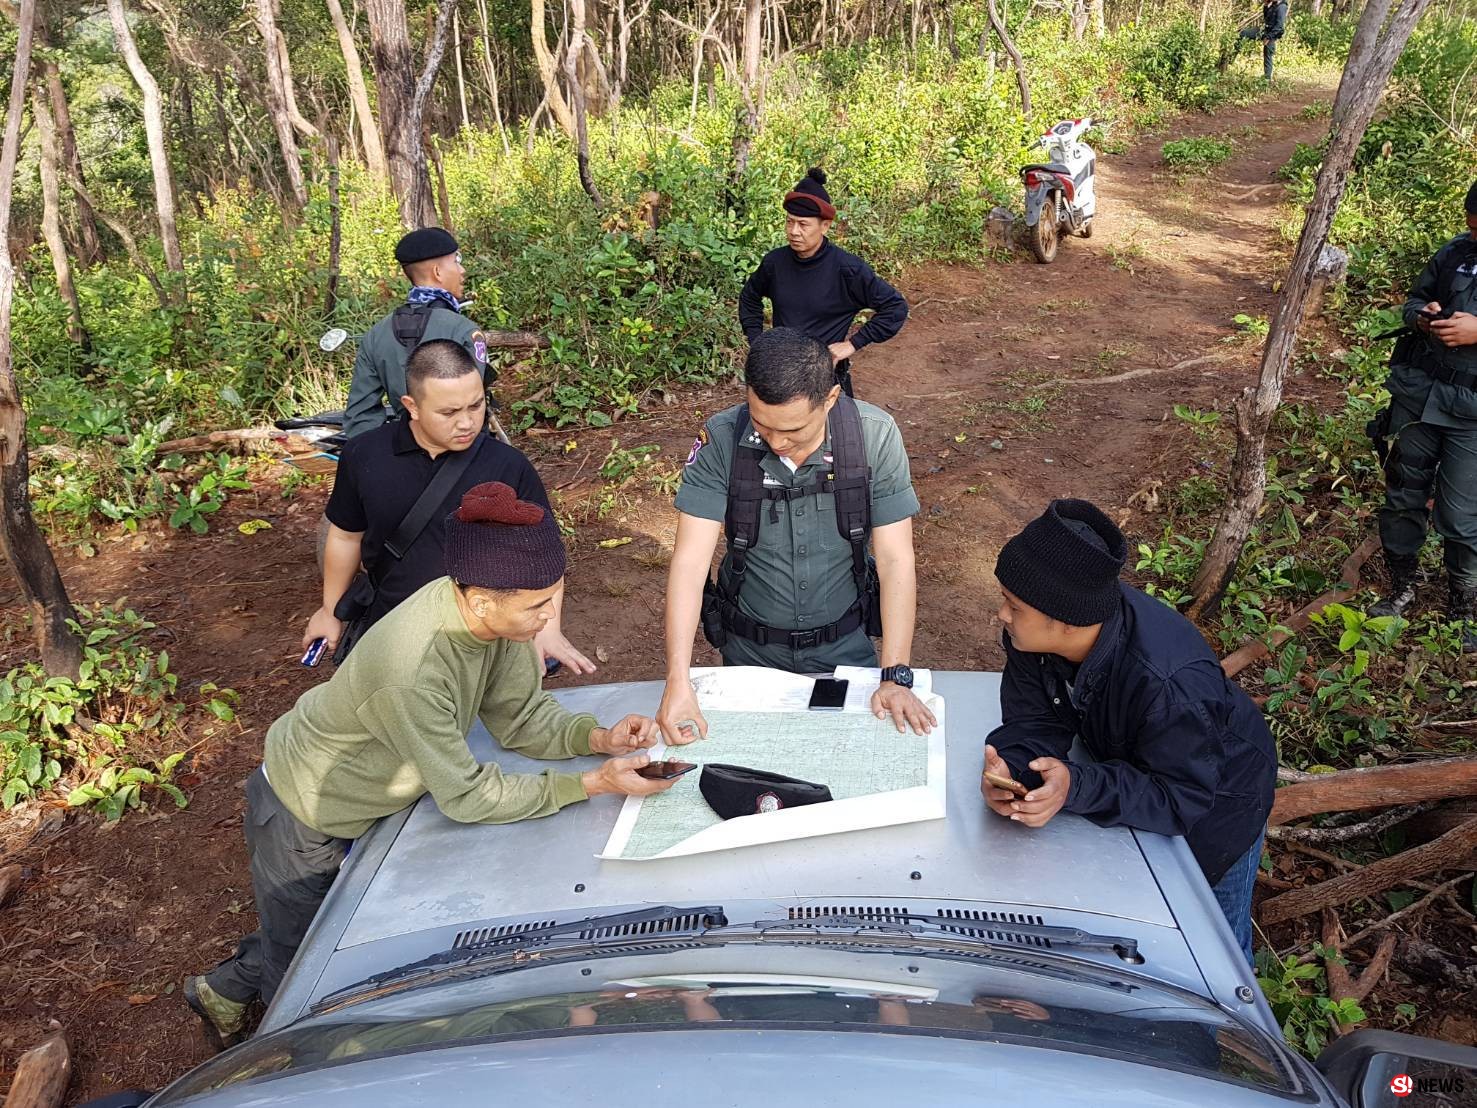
(106, 735)
(1195, 153)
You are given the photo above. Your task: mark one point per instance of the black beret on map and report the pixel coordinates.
(735, 791)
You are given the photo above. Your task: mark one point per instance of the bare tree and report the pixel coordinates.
(277, 100)
(374, 150)
(748, 112)
(25, 549)
(51, 217)
(1015, 57)
(577, 95)
(1377, 44)
(491, 73)
(402, 102)
(154, 130)
(548, 68)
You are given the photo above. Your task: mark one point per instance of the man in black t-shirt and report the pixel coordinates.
(817, 288)
(381, 474)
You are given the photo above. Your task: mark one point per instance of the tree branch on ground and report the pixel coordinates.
(1376, 787)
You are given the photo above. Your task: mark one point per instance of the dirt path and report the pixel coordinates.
(999, 384)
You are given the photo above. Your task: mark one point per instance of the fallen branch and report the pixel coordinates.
(41, 1075)
(1382, 822)
(1144, 371)
(1378, 787)
(194, 444)
(1374, 878)
(1409, 910)
(10, 880)
(1341, 984)
(1349, 572)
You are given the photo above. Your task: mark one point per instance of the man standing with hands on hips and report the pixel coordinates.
(816, 287)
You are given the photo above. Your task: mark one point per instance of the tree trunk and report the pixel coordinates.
(154, 128)
(30, 559)
(1371, 59)
(549, 70)
(577, 95)
(51, 219)
(1353, 790)
(89, 245)
(335, 229)
(222, 123)
(374, 150)
(748, 111)
(289, 92)
(277, 109)
(461, 81)
(400, 126)
(492, 83)
(1015, 57)
(1099, 18)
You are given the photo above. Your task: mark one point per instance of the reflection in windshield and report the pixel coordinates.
(1199, 1040)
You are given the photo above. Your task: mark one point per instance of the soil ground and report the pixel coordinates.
(1013, 383)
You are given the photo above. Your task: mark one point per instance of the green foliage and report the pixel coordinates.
(104, 735)
(1195, 153)
(920, 146)
(1297, 994)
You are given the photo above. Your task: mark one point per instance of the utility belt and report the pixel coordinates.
(722, 618)
(1462, 378)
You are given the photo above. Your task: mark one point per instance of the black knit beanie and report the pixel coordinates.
(1065, 563)
(1472, 199)
(496, 541)
(810, 198)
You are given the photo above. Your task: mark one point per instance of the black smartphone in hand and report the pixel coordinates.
(829, 695)
(666, 770)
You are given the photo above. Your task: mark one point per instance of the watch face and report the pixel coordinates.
(900, 675)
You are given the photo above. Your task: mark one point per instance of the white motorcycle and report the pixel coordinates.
(1060, 198)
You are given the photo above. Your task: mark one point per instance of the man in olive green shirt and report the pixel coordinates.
(433, 265)
(798, 584)
(391, 726)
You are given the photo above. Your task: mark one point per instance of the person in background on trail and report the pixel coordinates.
(782, 475)
(381, 477)
(391, 726)
(1177, 747)
(1274, 26)
(818, 288)
(432, 310)
(1432, 420)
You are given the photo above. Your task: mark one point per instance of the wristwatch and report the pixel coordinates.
(901, 676)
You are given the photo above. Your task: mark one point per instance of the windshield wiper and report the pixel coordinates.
(918, 925)
(662, 921)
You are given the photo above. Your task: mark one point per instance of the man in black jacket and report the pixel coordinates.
(1176, 747)
(816, 287)
(1274, 26)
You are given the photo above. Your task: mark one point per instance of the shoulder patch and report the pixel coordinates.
(479, 346)
(697, 445)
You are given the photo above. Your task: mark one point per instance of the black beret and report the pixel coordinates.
(735, 791)
(423, 243)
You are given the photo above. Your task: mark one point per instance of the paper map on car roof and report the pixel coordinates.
(877, 776)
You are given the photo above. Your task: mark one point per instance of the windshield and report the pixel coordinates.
(1154, 1030)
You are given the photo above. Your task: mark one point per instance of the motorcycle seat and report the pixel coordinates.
(1049, 167)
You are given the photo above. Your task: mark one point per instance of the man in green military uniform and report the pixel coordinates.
(1432, 420)
(783, 474)
(432, 310)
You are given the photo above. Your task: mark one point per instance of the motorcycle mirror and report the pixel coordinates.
(332, 340)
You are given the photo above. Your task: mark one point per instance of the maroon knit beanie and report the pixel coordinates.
(810, 198)
(496, 541)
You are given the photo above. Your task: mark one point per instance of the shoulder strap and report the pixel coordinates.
(409, 322)
(430, 500)
(851, 483)
(745, 498)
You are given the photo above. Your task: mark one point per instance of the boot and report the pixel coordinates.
(1461, 605)
(1403, 569)
(223, 1020)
